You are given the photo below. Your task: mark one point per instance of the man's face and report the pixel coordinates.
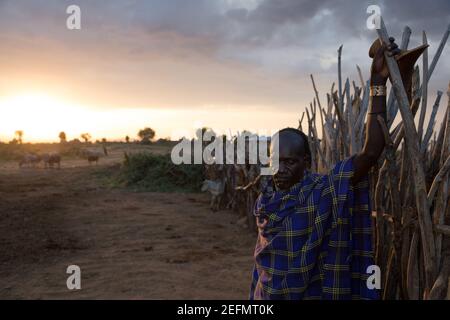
(292, 162)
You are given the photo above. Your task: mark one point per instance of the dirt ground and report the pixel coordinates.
(128, 245)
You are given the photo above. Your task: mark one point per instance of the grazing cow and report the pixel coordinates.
(92, 156)
(216, 189)
(50, 159)
(30, 160)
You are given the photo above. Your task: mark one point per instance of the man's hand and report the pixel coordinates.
(379, 71)
(261, 223)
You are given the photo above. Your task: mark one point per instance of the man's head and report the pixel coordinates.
(294, 157)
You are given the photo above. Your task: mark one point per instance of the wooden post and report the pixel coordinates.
(439, 52)
(412, 142)
(431, 123)
(441, 201)
(392, 106)
(361, 78)
(340, 79)
(423, 110)
(392, 171)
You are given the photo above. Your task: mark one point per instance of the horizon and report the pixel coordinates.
(110, 124)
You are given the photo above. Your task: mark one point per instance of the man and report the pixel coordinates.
(315, 230)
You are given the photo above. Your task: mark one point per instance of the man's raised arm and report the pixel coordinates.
(374, 144)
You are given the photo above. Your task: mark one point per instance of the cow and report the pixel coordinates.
(216, 189)
(31, 160)
(92, 156)
(50, 159)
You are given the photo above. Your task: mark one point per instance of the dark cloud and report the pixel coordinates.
(228, 22)
(432, 16)
(284, 38)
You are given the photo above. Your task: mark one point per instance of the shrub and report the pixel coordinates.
(157, 173)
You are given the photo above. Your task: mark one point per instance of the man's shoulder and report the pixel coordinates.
(343, 168)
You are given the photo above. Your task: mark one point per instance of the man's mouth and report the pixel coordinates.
(282, 181)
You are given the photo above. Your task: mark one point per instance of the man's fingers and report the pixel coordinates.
(264, 224)
(396, 51)
(392, 47)
(393, 50)
(261, 225)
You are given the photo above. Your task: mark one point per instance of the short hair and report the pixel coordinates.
(302, 135)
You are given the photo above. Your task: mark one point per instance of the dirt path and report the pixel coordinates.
(128, 245)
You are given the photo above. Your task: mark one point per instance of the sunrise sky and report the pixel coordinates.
(176, 65)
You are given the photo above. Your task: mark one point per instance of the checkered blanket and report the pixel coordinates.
(317, 240)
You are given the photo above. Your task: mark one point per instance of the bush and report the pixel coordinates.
(157, 173)
(10, 152)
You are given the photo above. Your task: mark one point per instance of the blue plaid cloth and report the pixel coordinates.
(317, 243)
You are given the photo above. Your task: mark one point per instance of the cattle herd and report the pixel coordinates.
(231, 186)
(53, 159)
(32, 160)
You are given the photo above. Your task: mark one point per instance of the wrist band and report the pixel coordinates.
(377, 91)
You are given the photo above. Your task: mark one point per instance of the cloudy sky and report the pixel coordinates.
(177, 64)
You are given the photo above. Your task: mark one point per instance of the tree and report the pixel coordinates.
(127, 139)
(86, 137)
(146, 135)
(19, 136)
(62, 137)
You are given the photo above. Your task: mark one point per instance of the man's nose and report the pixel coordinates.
(281, 168)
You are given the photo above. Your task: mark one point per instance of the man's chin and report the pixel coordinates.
(282, 185)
